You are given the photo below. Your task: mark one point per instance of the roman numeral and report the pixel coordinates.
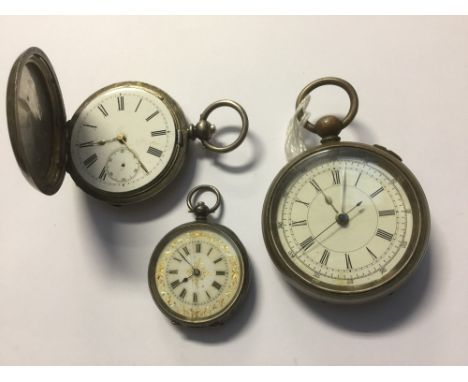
(120, 103)
(208, 294)
(307, 243)
(175, 284)
(220, 273)
(88, 125)
(217, 261)
(153, 151)
(138, 105)
(357, 180)
(386, 212)
(177, 259)
(315, 184)
(336, 176)
(103, 174)
(157, 133)
(208, 254)
(376, 192)
(173, 271)
(183, 293)
(384, 234)
(88, 162)
(103, 110)
(198, 247)
(348, 261)
(298, 223)
(195, 298)
(186, 251)
(151, 116)
(371, 253)
(304, 203)
(325, 256)
(216, 285)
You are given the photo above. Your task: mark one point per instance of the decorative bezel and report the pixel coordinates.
(244, 284)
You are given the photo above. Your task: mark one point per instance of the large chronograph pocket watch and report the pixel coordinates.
(199, 272)
(345, 222)
(124, 144)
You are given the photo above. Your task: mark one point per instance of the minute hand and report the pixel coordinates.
(96, 143)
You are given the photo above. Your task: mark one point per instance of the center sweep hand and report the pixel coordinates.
(327, 228)
(123, 140)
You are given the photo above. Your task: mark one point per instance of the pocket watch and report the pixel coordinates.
(345, 222)
(199, 272)
(123, 145)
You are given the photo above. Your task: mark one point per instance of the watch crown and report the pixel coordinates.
(328, 128)
(201, 211)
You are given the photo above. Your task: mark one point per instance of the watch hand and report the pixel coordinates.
(123, 140)
(343, 191)
(185, 279)
(328, 200)
(329, 226)
(188, 262)
(96, 143)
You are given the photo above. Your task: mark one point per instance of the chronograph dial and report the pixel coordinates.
(345, 222)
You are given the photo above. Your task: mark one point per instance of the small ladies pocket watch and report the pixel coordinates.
(124, 144)
(199, 272)
(345, 222)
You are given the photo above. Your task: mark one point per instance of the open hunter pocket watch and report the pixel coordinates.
(344, 222)
(199, 272)
(124, 144)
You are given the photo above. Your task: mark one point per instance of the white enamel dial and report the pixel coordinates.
(345, 222)
(199, 275)
(122, 139)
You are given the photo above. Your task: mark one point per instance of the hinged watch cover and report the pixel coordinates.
(36, 121)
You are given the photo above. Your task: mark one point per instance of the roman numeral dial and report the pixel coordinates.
(197, 272)
(123, 139)
(342, 221)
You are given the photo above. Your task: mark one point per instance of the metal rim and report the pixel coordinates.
(345, 85)
(304, 282)
(204, 188)
(243, 288)
(244, 128)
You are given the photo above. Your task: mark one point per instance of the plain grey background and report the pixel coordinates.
(73, 284)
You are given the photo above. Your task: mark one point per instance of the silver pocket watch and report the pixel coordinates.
(124, 144)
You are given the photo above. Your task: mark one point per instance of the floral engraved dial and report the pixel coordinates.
(198, 275)
(122, 138)
(344, 222)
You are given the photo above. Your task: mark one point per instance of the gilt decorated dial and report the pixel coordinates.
(198, 275)
(122, 139)
(345, 222)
